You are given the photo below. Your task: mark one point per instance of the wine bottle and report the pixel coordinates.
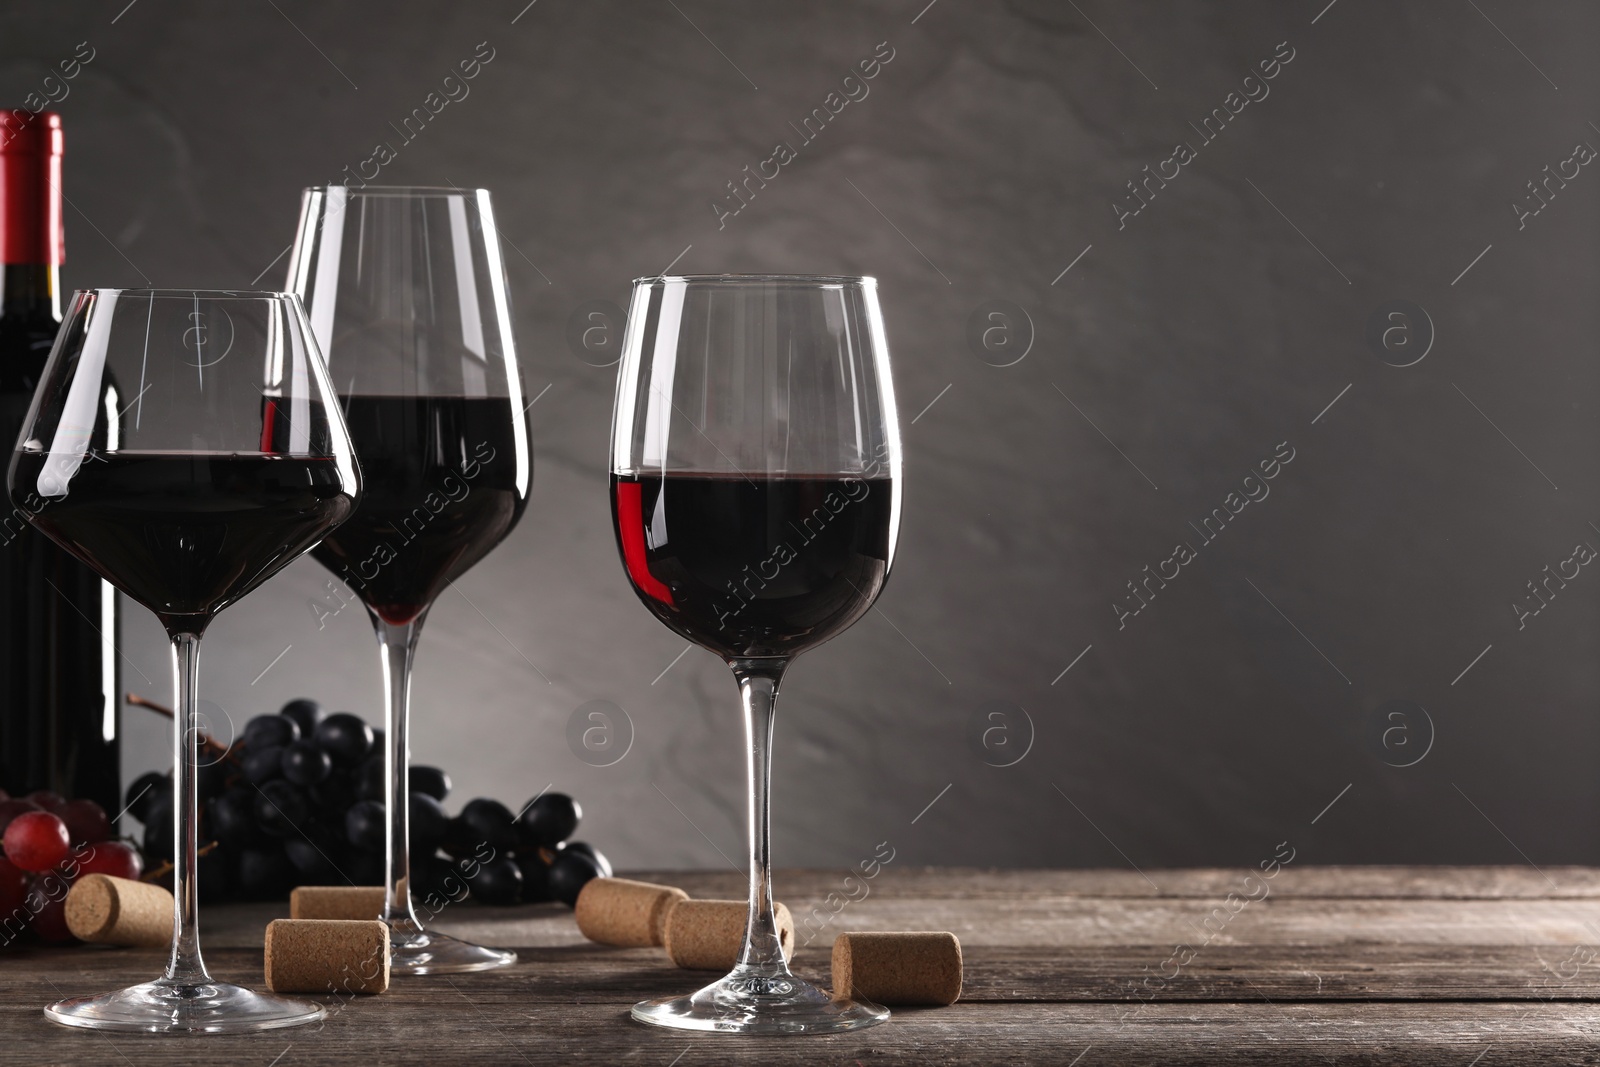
(58, 620)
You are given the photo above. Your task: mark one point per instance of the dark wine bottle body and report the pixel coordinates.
(59, 696)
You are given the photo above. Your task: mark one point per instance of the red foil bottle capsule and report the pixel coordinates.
(30, 187)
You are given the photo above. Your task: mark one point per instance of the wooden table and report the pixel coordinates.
(1462, 966)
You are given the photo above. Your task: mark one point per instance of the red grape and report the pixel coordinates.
(46, 799)
(37, 840)
(4, 795)
(51, 921)
(10, 809)
(116, 858)
(86, 821)
(13, 888)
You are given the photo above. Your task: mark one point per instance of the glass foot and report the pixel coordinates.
(750, 1002)
(413, 950)
(169, 1007)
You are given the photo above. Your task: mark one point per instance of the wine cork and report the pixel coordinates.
(336, 902)
(117, 911)
(620, 911)
(898, 968)
(327, 956)
(707, 935)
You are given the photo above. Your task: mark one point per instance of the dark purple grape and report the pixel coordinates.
(312, 861)
(371, 783)
(281, 809)
(570, 871)
(430, 780)
(158, 829)
(305, 713)
(535, 868)
(593, 853)
(461, 842)
(305, 764)
(495, 882)
(266, 731)
(345, 737)
(261, 765)
(485, 821)
(212, 877)
(548, 820)
(211, 779)
(434, 883)
(429, 825)
(262, 873)
(363, 867)
(364, 825)
(336, 794)
(143, 792)
(231, 819)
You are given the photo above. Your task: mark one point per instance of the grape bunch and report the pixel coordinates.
(300, 800)
(498, 857)
(49, 842)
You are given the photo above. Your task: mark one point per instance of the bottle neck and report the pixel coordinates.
(31, 244)
(30, 291)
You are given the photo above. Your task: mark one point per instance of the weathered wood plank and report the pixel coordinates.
(1070, 922)
(966, 883)
(1302, 973)
(1409, 965)
(1131, 973)
(521, 1018)
(1078, 921)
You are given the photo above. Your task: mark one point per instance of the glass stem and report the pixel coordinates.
(185, 967)
(398, 645)
(758, 686)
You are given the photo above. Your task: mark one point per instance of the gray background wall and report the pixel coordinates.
(1175, 354)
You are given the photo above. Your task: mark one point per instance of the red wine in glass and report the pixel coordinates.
(758, 566)
(439, 477)
(188, 534)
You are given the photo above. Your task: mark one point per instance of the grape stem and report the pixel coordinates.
(161, 709)
(165, 867)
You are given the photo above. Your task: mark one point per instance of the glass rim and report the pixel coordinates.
(398, 190)
(817, 280)
(190, 293)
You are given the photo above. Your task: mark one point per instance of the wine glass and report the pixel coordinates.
(406, 291)
(755, 480)
(186, 445)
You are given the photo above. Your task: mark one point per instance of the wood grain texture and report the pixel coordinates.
(1392, 965)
